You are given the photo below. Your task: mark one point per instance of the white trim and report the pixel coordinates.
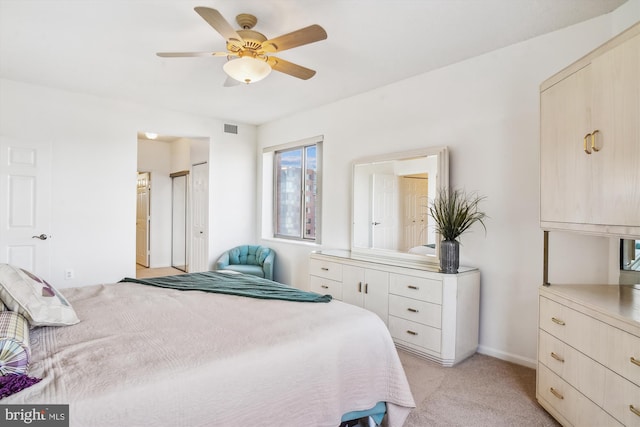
(301, 142)
(513, 358)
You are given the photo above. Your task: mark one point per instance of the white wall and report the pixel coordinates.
(94, 175)
(486, 110)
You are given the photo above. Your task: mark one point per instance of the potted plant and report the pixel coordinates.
(454, 211)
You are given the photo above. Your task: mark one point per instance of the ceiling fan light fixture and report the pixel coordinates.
(247, 69)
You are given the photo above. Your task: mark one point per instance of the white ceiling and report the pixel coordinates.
(107, 47)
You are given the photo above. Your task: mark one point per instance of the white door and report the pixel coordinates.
(199, 217)
(143, 218)
(25, 216)
(384, 226)
(415, 211)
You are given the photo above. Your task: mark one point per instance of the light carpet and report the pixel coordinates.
(480, 391)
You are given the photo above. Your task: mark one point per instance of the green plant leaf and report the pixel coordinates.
(454, 211)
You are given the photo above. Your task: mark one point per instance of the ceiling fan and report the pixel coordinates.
(249, 52)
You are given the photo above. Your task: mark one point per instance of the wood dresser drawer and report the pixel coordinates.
(327, 269)
(325, 286)
(569, 403)
(622, 399)
(580, 371)
(417, 311)
(415, 333)
(419, 288)
(580, 331)
(624, 354)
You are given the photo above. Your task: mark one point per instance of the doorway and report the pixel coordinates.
(163, 157)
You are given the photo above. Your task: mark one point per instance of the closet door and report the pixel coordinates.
(179, 220)
(616, 116)
(565, 189)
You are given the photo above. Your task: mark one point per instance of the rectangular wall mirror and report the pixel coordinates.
(629, 262)
(391, 195)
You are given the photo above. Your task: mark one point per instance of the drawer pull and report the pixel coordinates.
(557, 357)
(555, 393)
(558, 321)
(412, 333)
(634, 410)
(324, 268)
(413, 310)
(413, 287)
(324, 286)
(634, 361)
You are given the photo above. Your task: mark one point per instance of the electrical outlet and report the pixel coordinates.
(68, 274)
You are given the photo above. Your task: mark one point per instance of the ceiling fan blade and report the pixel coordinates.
(217, 21)
(310, 34)
(290, 68)
(190, 54)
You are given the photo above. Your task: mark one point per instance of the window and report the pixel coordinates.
(296, 191)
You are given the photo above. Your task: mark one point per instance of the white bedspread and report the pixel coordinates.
(146, 356)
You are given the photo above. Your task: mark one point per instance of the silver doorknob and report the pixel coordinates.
(41, 237)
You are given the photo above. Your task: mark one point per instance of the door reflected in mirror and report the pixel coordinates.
(629, 262)
(391, 199)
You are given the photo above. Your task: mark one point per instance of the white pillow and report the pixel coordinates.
(34, 298)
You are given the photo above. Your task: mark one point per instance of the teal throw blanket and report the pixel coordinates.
(232, 284)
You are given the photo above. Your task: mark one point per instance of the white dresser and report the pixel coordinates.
(589, 354)
(428, 313)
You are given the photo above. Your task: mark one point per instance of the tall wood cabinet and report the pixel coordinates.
(589, 335)
(428, 313)
(590, 142)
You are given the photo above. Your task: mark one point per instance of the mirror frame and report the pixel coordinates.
(442, 182)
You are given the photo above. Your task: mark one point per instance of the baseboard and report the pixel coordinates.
(519, 360)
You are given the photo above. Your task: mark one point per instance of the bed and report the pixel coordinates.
(146, 355)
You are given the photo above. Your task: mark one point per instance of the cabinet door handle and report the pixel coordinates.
(324, 286)
(557, 321)
(413, 287)
(324, 269)
(586, 144)
(593, 141)
(557, 357)
(413, 310)
(555, 393)
(634, 361)
(359, 286)
(634, 410)
(412, 333)
(366, 288)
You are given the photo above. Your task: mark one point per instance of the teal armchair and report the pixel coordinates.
(249, 259)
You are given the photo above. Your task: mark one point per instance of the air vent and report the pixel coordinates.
(230, 128)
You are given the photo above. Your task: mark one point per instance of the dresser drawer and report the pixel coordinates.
(417, 311)
(580, 331)
(325, 286)
(623, 356)
(415, 333)
(580, 371)
(419, 288)
(326, 269)
(620, 396)
(569, 402)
